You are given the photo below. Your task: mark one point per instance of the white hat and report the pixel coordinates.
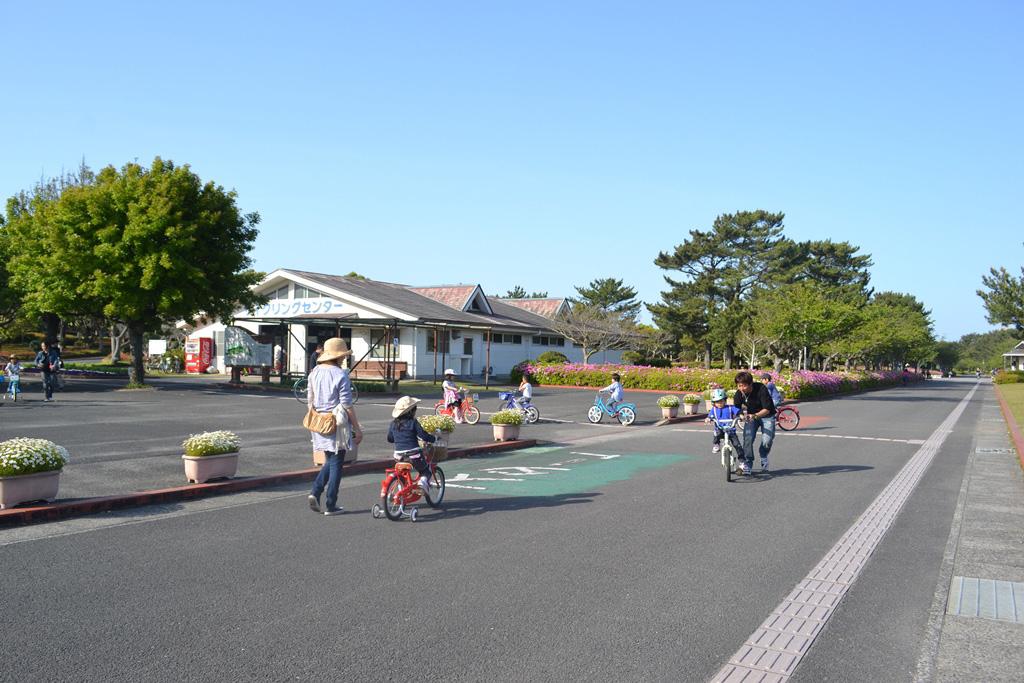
(449, 371)
(403, 404)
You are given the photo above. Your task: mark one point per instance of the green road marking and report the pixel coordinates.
(552, 471)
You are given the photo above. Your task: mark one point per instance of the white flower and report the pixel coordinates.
(211, 443)
(26, 456)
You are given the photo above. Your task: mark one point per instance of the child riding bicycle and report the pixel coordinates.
(452, 395)
(406, 432)
(614, 391)
(720, 412)
(526, 391)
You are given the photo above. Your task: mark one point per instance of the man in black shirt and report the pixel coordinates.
(754, 399)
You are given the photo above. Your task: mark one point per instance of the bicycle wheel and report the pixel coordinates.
(435, 494)
(355, 394)
(299, 389)
(472, 415)
(594, 414)
(787, 419)
(439, 408)
(626, 416)
(532, 414)
(393, 501)
(727, 462)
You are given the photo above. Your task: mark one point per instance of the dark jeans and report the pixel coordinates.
(329, 477)
(767, 427)
(48, 384)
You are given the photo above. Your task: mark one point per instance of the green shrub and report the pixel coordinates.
(1009, 377)
(552, 357)
(515, 376)
(507, 417)
(211, 443)
(668, 401)
(637, 358)
(28, 456)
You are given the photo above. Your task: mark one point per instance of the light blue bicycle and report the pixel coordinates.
(625, 413)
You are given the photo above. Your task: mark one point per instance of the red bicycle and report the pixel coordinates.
(400, 490)
(470, 413)
(788, 418)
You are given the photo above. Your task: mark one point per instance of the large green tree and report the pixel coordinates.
(518, 292)
(141, 246)
(718, 270)
(610, 294)
(834, 265)
(1004, 298)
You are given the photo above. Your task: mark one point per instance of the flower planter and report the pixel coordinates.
(506, 432)
(22, 488)
(689, 409)
(202, 469)
(351, 455)
(672, 411)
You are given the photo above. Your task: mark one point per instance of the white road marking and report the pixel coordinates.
(915, 442)
(461, 486)
(782, 640)
(603, 456)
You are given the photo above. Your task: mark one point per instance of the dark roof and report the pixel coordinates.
(405, 299)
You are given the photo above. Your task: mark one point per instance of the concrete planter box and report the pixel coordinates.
(25, 487)
(671, 411)
(506, 432)
(690, 408)
(202, 469)
(320, 457)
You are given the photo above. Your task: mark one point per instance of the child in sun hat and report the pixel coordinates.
(13, 373)
(406, 433)
(452, 395)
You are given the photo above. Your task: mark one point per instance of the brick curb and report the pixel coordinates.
(1011, 422)
(88, 506)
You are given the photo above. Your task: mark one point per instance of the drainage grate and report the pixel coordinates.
(993, 450)
(986, 598)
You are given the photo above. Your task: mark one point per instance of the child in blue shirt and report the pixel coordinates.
(406, 433)
(614, 392)
(721, 411)
(766, 379)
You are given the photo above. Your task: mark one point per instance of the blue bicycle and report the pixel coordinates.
(625, 413)
(527, 408)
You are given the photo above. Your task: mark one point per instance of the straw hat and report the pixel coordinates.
(449, 371)
(403, 404)
(335, 347)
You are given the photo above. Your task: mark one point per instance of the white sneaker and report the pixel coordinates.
(716, 448)
(424, 484)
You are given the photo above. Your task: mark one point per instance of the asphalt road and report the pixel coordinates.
(620, 554)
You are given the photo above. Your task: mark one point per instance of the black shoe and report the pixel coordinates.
(314, 504)
(334, 511)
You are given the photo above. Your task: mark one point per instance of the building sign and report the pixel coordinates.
(240, 349)
(290, 308)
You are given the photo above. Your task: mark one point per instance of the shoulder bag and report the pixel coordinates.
(323, 424)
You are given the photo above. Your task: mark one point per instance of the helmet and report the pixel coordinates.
(718, 394)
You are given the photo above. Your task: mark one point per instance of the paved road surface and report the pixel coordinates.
(618, 555)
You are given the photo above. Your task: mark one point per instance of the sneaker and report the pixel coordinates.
(334, 511)
(764, 465)
(745, 470)
(716, 448)
(314, 504)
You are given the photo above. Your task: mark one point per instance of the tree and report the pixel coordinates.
(593, 329)
(947, 354)
(984, 350)
(834, 265)
(720, 269)
(1004, 300)
(519, 293)
(609, 294)
(139, 246)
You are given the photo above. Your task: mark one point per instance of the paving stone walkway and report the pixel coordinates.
(977, 625)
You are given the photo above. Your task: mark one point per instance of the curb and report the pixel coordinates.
(1011, 422)
(679, 418)
(88, 506)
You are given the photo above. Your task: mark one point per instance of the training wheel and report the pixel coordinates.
(413, 514)
(377, 511)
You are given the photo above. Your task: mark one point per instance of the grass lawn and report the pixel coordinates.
(1014, 395)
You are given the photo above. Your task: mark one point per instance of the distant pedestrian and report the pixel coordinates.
(48, 361)
(278, 358)
(330, 391)
(316, 354)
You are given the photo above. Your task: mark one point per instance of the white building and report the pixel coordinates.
(398, 331)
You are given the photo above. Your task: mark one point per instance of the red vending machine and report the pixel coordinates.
(198, 354)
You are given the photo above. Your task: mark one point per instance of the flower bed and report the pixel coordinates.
(801, 384)
(28, 456)
(211, 443)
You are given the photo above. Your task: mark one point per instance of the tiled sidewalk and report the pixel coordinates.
(978, 613)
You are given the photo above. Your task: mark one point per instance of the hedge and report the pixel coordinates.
(800, 384)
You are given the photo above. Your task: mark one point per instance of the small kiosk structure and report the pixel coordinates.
(1014, 360)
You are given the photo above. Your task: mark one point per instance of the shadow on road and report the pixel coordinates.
(805, 471)
(480, 506)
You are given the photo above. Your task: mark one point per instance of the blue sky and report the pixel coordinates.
(547, 144)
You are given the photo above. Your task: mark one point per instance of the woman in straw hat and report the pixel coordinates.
(406, 432)
(330, 391)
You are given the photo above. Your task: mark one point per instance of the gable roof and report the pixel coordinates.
(546, 308)
(412, 305)
(455, 296)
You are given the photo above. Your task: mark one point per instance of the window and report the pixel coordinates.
(281, 293)
(549, 341)
(443, 343)
(467, 346)
(499, 338)
(306, 293)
